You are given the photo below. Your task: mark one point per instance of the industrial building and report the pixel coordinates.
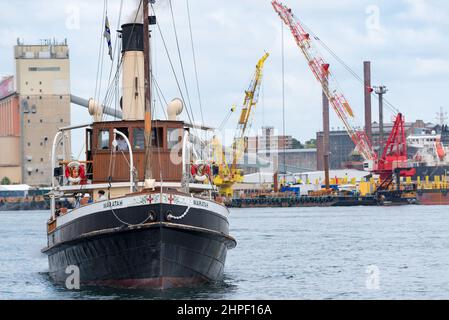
(342, 147)
(268, 140)
(269, 152)
(10, 162)
(297, 160)
(35, 105)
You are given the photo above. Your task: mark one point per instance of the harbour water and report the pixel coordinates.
(311, 253)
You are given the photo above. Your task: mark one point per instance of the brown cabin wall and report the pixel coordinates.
(160, 158)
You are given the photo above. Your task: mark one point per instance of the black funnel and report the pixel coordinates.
(132, 37)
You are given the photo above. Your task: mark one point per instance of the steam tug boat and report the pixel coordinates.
(126, 228)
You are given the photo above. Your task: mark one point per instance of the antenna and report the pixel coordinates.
(442, 116)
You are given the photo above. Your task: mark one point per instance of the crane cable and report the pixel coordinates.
(283, 98)
(345, 65)
(226, 119)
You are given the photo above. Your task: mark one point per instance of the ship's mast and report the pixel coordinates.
(148, 82)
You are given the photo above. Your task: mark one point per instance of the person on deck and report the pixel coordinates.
(102, 196)
(121, 144)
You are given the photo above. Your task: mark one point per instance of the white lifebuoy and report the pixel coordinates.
(200, 178)
(201, 173)
(75, 178)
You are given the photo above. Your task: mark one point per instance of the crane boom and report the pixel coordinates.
(228, 175)
(250, 102)
(321, 70)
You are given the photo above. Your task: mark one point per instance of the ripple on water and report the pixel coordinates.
(291, 253)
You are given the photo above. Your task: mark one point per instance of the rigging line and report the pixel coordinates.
(109, 95)
(161, 103)
(102, 57)
(101, 77)
(159, 88)
(116, 79)
(119, 63)
(172, 67)
(153, 69)
(100, 51)
(116, 40)
(283, 91)
(161, 97)
(132, 31)
(180, 60)
(194, 62)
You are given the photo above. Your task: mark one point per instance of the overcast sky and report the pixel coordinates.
(406, 40)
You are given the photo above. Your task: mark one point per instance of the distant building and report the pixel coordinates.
(268, 140)
(273, 149)
(411, 128)
(342, 147)
(297, 160)
(37, 108)
(10, 161)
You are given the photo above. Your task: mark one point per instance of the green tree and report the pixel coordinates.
(311, 144)
(296, 144)
(6, 181)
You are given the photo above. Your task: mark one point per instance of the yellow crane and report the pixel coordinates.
(228, 172)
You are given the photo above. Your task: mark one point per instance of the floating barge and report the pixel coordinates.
(391, 199)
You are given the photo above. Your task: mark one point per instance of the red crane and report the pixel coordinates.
(395, 153)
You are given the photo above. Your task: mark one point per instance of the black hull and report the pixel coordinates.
(158, 254)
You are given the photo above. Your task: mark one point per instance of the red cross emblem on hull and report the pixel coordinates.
(171, 199)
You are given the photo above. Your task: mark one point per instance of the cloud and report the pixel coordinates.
(408, 52)
(431, 67)
(424, 11)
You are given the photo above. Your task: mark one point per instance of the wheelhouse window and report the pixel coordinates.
(122, 145)
(103, 140)
(173, 138)
(139, 139)
(157, 138)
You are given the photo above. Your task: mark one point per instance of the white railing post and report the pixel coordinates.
(131, 158)
(185, 162)
(53, 156)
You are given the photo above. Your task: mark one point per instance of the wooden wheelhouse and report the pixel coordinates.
(110, 163)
